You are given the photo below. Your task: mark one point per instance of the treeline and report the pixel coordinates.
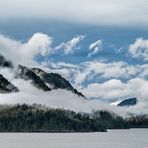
(110, 120)
(25, 118)
(138, 121)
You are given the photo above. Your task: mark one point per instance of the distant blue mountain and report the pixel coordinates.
(128, 102)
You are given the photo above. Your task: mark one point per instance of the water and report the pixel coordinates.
(134, 138)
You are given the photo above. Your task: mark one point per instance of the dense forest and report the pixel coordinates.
(24, 118)
(36, 118)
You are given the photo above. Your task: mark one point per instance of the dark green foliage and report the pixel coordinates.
(110, 120)
(6, 86)
(140, 121)
(27, 74)
(24, 118)
(113, 121)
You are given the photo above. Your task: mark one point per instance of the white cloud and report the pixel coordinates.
(71, 45)
(139, 49)
(25, 53)
(28, 94)
(144, 72)
(108, 90)
(54, 99)
(111, 69)
(114, 89)
(100, 12)
(97, 70)
(96, 47)
(65, 69)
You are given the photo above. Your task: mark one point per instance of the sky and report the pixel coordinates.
(100, 46)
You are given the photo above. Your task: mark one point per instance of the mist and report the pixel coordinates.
(62, 99)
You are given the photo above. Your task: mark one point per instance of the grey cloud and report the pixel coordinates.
(98, 12)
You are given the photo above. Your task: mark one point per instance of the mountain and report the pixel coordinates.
(128, 102)
(55, 81)
(6, 86)
(39, 78)
(26, 74)
(5, 63)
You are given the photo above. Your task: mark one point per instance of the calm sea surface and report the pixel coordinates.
(134, 138)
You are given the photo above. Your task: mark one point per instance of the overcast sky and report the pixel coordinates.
(98, 12)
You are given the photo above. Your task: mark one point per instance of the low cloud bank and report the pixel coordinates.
(63, 99)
